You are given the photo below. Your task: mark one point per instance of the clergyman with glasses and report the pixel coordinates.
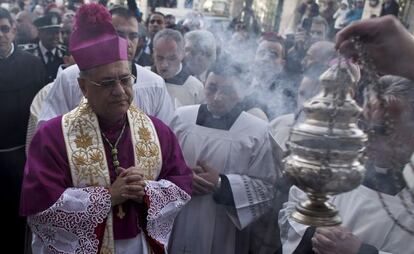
(105, 177)
(150, 93)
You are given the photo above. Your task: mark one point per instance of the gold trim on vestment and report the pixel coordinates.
(87, 159)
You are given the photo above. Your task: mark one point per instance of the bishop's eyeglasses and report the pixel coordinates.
(126, 81)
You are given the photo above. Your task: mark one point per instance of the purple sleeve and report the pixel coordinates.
(47, 172)
(174, 167)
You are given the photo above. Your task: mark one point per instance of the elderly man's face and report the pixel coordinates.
(269, 59)
(7, 35)
(127, 29)
(156, 23)
(167, 57)
(221, 94)
(110, 102)
(196, 61)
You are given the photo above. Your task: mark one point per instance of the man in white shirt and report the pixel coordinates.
(149, 90)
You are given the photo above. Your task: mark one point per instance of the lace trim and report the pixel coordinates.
(69, 225)
(165, 199)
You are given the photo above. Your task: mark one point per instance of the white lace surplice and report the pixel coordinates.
(69, 225)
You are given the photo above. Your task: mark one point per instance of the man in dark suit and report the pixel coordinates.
(48, 49)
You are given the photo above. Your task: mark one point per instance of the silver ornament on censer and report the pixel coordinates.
(326, 148)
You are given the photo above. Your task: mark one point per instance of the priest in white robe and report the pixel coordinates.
(233, 168)
(150, 94)
(183, 88)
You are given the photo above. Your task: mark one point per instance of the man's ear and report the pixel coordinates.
(83, 87)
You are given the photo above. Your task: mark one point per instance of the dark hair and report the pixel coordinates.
(5, 14)
(275, 37)
(154, 13)
(226, 66)
(122, 12)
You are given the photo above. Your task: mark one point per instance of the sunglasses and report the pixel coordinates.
(158, 21)
(126, 81)
(5, 29)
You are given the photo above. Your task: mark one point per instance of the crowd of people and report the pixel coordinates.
(128, 136)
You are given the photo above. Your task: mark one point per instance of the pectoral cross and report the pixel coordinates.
(115, 163)
(120, 213)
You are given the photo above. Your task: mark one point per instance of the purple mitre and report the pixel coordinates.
(94, 41)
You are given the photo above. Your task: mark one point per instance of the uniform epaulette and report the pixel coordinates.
(28, 46)
(62, 47)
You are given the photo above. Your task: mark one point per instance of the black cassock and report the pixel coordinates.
(22, 75)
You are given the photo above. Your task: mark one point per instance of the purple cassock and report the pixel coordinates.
(47, 173)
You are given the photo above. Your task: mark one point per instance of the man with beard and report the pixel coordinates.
(183, 88)
(200, 53)
(274, 91)
(366, 225)
(151, 95)
(48, 49)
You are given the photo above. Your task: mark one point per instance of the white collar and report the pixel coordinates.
(179, 69)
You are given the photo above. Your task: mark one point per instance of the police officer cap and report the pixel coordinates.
(50, 20)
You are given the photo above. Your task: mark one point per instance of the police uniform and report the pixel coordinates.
(53, 58)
